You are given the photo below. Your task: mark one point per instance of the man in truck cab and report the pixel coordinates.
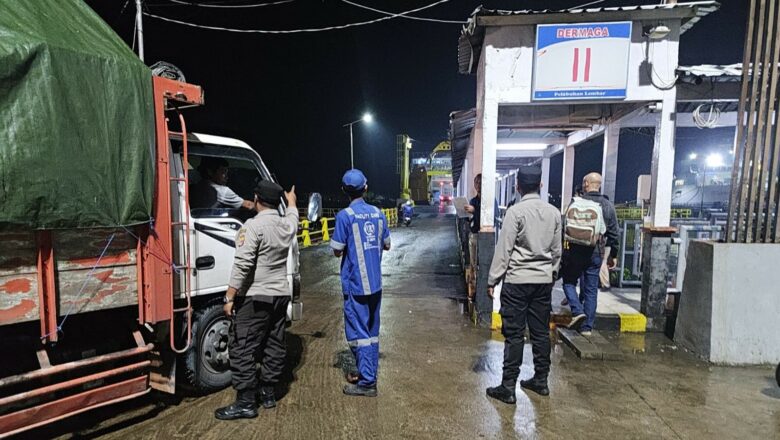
(212, 191)
(257, 299)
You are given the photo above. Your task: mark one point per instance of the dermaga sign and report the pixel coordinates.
(581, 61)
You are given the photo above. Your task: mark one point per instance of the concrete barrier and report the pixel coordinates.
(730, 304)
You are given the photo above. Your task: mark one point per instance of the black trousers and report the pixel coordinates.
(521, 304)
(257, 334)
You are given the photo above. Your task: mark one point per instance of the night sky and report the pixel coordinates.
(289, 95)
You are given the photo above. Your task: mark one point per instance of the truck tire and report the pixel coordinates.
(205, 367)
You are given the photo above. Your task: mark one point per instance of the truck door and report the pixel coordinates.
(216, 218)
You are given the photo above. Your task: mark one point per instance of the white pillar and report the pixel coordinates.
(545, 192)
(663, 162)
(609, 160)
(489, 139)
(568, 176)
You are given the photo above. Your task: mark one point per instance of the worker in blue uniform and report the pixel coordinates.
(361, 235)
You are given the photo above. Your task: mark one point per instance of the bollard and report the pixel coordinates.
(325, 235)
(305, 233)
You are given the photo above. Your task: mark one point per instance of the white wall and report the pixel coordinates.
(729, 307)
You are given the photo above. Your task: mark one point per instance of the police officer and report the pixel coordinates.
(257, 299)
(527, 254)
(360, 237)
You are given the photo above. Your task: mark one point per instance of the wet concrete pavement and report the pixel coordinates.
(434, 369)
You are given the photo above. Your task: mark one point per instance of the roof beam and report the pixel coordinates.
(600, 16)
(684, 120)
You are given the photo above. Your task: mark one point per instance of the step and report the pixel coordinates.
(593, 347)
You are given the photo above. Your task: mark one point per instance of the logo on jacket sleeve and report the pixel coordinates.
(241, 237)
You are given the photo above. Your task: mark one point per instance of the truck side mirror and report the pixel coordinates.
(314, 212)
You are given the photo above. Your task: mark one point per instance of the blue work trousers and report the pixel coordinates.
(582, 263)
(361, 322)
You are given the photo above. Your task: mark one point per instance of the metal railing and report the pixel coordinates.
(630, 268)
(320, 232)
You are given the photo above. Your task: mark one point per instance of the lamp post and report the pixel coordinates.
(367, 118)
(714, 160)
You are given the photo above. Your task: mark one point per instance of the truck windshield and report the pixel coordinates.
(219, 186)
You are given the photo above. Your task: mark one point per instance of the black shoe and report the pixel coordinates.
(245, 407)
(357, 390)
(266, 397)
(576, 321)
(537, 386)
(503, 394)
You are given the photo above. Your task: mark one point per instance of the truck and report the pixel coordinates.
(110, 285)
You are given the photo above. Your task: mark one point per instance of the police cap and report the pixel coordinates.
(269, 192)
(529, 175)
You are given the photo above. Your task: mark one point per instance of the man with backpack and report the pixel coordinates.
(590, 227)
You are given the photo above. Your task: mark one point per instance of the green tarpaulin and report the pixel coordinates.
(76, 120)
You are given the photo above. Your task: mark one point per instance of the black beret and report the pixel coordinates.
(529, 175)
(269, 192)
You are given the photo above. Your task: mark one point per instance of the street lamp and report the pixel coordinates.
(366, 118)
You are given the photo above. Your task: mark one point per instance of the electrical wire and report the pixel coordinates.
(712, 118)
(652, 74)
(294, 31)
(225, 6)
(434, 20)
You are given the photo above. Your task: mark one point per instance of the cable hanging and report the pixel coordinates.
(403, 14)
(224, 6)
(294, 31)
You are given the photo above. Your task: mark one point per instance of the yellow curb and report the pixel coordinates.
(633, 322)
(495, 323)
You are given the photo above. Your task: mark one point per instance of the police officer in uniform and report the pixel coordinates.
(361, 235)
(526, 257)
(257, 299)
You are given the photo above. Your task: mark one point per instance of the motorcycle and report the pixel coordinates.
(407, 211)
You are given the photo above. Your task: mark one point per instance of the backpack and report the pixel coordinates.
(584, 222)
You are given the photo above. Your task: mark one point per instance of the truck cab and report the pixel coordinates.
(212, 232)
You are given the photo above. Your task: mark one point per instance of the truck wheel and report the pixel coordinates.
(206, 367)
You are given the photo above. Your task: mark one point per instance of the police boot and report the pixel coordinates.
(358, 390)
(502, 393)
(267, 397)
(245, 407)
(537, 385)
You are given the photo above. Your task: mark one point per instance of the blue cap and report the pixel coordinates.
(354, 179)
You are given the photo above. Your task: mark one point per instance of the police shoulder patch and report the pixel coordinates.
(241, 237)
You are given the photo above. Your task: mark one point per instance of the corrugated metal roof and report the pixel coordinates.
(461, 126)
(470, 42)
(713, 71)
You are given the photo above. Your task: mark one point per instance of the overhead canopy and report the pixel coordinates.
(472, 35)
(77, 122)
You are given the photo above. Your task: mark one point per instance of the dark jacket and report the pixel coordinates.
(612, 235)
